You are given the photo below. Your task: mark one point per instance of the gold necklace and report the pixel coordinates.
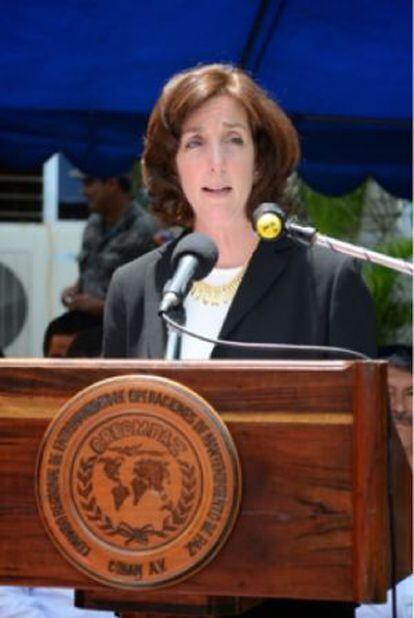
(217, 294)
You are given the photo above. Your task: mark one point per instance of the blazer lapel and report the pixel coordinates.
(267, 264)
(155, 327)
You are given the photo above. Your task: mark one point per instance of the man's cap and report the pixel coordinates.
(124, 180)
(398, 355)
(75, 173)
(78, 174)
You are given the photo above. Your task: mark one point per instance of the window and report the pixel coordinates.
(21, 196)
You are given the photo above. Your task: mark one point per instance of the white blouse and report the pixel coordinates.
(206, 319)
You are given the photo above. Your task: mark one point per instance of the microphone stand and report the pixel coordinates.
(310, 236)
(173, 347)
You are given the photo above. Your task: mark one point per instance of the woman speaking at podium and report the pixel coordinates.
(216, 147)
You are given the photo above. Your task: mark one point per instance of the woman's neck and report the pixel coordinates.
(235, 245)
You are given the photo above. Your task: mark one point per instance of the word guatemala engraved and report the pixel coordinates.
(138, 482)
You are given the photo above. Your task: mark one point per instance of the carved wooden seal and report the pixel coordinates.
(138, 482)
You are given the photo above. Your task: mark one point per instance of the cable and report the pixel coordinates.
(266, 346)
(391, 510)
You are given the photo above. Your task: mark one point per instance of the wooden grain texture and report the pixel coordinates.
(370, 470)
(163, 603)
(311, 486)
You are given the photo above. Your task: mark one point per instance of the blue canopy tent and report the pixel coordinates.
(80, 77)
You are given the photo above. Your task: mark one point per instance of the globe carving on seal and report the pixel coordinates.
(138, 482)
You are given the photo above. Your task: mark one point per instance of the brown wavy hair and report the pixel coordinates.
(276, 141)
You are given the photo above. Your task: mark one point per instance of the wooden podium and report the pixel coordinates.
(313, 444)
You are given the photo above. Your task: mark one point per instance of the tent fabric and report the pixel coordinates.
(81, 77)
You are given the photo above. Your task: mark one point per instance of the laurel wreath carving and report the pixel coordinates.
(178, 516)
(175, 519)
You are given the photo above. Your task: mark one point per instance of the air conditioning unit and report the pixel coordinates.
(37, 259)
(36, 262)
(24, 268)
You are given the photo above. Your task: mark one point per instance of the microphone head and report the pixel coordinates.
(202, 247)
(269, 221)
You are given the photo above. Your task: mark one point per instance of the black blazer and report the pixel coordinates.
(289, 294)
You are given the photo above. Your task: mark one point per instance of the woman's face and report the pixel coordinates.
(216, 160)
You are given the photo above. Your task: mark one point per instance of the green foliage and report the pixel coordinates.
(391, 292)
(339, 217)
(373, 214)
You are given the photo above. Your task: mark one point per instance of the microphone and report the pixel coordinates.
(193, 258)
(269, 221)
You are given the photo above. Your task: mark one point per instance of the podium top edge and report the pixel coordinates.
(212, 364)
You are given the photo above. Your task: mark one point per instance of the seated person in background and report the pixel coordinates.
(61, 333)
(86, 344)
(400, 385)
(117, 231)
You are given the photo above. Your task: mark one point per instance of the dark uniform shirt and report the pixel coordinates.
(104, 249)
